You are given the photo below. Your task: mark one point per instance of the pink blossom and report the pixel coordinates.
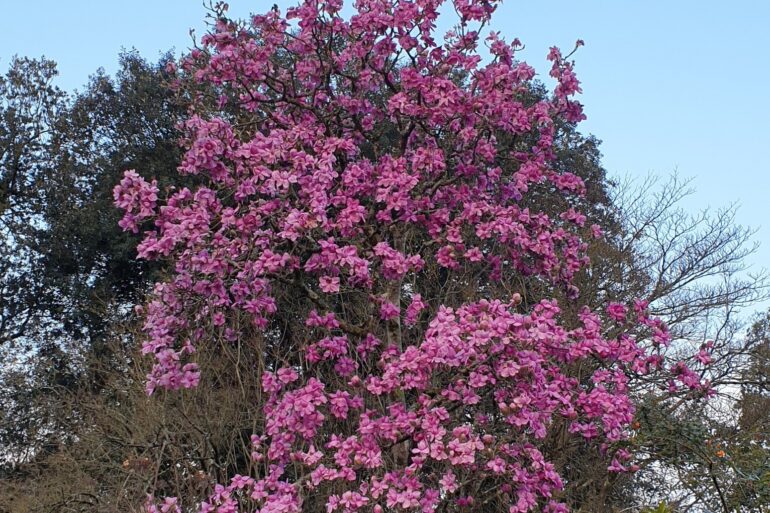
(617, 311)
(330, 284)
(388, 310)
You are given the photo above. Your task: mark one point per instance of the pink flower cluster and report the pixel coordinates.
(137, 198)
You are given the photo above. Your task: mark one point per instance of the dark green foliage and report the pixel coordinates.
(69, 274)
(29, 106)
(115, 124)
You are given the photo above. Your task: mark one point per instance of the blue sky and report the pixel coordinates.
(668, 85)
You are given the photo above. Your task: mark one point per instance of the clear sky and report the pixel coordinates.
(668, 84)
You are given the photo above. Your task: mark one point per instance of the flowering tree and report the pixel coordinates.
(371, 201)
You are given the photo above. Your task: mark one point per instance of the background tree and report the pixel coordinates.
(29, 104)
(113, 125)
(696, 278)
(71, 275)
